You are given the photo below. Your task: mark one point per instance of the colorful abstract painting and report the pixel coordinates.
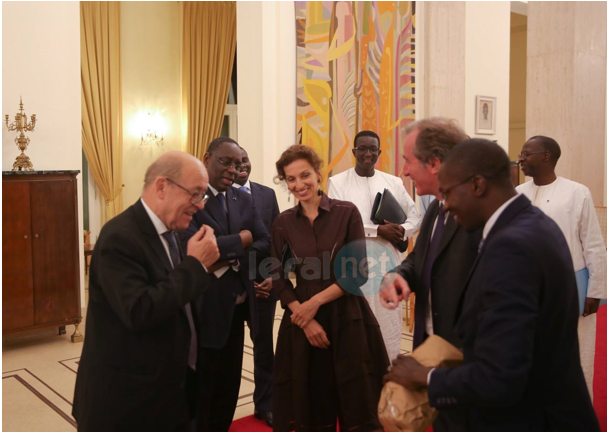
(355, 71)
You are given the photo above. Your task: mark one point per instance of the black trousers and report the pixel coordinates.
(263, 351)
(219, 373)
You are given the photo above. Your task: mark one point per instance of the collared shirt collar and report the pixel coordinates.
(161, 228)
(215, 191)
(494, 217)
(325, 204)
(247, 185)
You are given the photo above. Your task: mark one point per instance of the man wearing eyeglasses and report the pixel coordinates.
(360, 185)
(517, 319)
(444, 252)
(571, 206)
(137, 366)
(231, 299)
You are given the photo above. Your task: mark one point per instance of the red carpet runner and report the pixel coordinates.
(251, 424)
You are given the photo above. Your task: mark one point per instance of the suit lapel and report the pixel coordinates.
(151, 235)
(460, 304)
(213, 208)
(502, 221)
(257, 195)
(233, 210)
(182, 252)
(448, 233)
(423, 243)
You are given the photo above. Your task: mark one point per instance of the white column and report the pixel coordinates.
(566, 86)
(266, 87)
(488, 64)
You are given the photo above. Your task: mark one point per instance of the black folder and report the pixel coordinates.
(386, 207)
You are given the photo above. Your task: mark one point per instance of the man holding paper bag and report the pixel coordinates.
(518, 317)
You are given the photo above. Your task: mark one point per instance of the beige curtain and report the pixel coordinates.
(102, 99)
(209, 44)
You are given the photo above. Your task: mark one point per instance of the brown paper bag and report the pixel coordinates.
(402, 410)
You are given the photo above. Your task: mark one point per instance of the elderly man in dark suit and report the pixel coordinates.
(518, 317)
(231, 300)
(263, 343)
(437, 267)
(140, 338)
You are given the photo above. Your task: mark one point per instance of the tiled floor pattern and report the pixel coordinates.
(39, 373)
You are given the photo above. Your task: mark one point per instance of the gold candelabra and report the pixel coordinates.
(23, 162)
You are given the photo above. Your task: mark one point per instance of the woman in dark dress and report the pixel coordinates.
(330, 355)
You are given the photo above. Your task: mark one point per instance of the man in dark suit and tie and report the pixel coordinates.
(230, 301)
(136, 369)
(263, 343)
(519, 313)
(437, 267)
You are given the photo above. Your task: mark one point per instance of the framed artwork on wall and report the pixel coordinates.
(485, 115)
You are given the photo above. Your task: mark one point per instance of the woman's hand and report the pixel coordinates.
(305, 313)
(316, 335)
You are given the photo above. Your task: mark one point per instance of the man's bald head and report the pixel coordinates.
(475, 181)
(169, 165)
(479, 157)
(172, 184)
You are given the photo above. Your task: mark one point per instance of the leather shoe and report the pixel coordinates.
(265, 416)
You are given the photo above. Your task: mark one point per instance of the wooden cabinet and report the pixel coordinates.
(40, 251)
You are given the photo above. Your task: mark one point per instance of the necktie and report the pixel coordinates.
(427, 270)
(222, 201)
(221, 198)
(244, 188)
(169, 236)
(433, 248)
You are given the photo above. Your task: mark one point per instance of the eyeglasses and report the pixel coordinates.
(196, 196)
(446, 192)
(363, 150)
(524, 155)
(227, 163)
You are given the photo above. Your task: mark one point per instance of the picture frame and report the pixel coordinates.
(485, 115)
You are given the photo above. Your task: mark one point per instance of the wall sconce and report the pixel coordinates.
(151, 127)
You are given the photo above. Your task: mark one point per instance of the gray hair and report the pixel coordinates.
(437, 136)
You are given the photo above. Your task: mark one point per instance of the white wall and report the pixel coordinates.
(151, 34)
(266, 87)
(487, 27)
(518, 85)
(41, 63)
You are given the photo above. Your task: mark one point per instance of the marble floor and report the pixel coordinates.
(39, 373)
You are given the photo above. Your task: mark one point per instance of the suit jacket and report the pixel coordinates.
(133, 367)
(216, 310)
(456, 253)
(518, 323)
(267, 206)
